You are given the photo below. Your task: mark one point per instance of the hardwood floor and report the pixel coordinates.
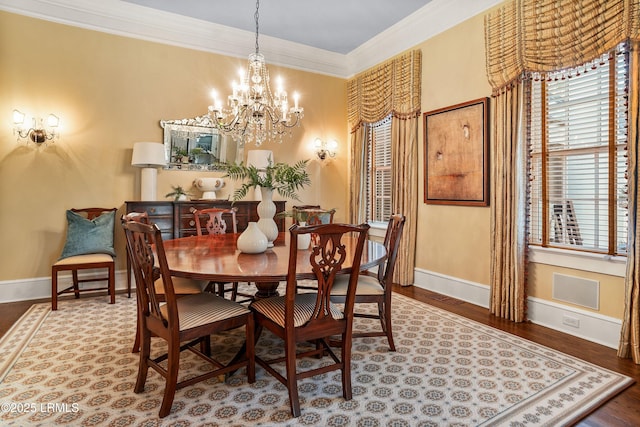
(621, 411)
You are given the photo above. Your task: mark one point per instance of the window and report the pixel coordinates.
(577, 154)
(379, 171)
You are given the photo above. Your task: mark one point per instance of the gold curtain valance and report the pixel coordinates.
(392, 87)
(550, 35)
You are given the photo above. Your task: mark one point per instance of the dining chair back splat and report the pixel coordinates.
(377, 288)
(190, 319)
(211, 221)
(214, 221)
(181, 285)
(312, 317)
(88, 261)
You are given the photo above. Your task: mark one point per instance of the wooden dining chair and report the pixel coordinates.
(181, 285)
(89, 246)
(376, 288)
(182, 322)
(312, 317)
(211, 221)
(314, 214)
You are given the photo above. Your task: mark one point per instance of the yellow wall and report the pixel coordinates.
(109, 92)
(456, 237)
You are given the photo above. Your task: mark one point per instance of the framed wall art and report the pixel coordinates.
(456, 158)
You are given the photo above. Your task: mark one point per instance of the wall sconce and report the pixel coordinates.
(324, 149)
(37, 133)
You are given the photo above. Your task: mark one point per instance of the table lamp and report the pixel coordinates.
(149, 156)
(260, 159)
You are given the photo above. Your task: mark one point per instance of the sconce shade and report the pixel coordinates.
(259, 158)
(148, 155)
(18, 117)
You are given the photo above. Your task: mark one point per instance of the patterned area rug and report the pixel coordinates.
(75, 367)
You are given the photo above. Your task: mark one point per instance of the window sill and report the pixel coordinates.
(596, 263)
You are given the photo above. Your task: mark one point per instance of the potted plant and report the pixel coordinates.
(178, 193)
(181, 154)
(281, 177)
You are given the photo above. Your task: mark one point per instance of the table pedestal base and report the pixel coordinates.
(267, 290)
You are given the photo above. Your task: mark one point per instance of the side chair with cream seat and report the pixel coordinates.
(376, 288)
(211, 221)
(88, 246)
(184, 323)
(181, 285)
(311, 317)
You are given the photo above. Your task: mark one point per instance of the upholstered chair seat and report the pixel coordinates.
(273, 308)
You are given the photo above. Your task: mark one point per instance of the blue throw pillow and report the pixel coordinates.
(89, 236)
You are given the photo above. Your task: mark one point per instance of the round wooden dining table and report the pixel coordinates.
(216, 258)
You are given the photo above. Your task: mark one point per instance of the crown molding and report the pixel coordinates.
(432, 19)
(132, 20)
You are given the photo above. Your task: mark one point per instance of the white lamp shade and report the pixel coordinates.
(259, 158)
(148, 155)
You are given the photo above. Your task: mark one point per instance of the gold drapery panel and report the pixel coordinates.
(404, 181)
(629, 346)
(392, 87)
(550, 35)
(508, 205)
(357, 189)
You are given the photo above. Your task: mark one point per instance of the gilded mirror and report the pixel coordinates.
(194, 144)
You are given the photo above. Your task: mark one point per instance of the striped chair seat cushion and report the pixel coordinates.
(367, 285)
(183, 286)
(273, 308)
(201, 309)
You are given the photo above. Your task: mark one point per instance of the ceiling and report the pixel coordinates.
(335, 25)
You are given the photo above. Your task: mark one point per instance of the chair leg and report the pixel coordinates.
(143, 365)
(171, 382)
(76, 289)
(250, 350)
(54, 289)
(136, 342)
(112, 283)
(385, 321)
(292, 380)
(346, 368)
(234, 291)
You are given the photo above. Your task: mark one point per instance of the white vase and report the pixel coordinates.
(266, 212)
(304, 240)
(252, 240)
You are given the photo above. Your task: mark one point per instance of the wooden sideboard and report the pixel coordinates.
(175, 219)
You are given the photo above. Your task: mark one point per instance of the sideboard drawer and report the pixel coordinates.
(175, 219)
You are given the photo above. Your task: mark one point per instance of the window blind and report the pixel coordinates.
(379, 171)
(577, 142)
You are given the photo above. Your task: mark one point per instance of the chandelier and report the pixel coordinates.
(253, 111)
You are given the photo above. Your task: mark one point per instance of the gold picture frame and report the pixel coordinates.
(456, 154)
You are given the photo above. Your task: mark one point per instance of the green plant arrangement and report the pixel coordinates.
(177, 192)
(281, 177)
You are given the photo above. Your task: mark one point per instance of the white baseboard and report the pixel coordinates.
(590, 326)
(474, 293)
(40, 287)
